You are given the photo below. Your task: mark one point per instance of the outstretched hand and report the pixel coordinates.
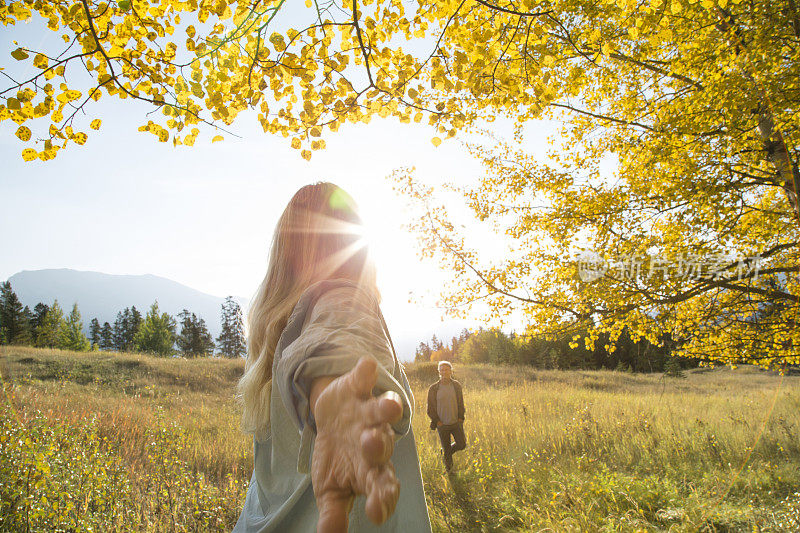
(353, 448)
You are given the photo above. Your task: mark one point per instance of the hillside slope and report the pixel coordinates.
(102, 296)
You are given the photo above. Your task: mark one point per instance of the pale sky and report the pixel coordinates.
(203, 216)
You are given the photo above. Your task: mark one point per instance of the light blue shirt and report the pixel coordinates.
(331, 327)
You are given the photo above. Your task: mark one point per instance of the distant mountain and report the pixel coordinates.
(101, 295)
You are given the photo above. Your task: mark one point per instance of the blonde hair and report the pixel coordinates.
(317, 237)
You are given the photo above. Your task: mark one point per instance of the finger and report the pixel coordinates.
(377, 444)
(383, 491)
(391, 406)
(385, 408)
(333, 510)
(363, 377)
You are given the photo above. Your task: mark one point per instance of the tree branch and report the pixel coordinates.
(364, 51)
(511, 11)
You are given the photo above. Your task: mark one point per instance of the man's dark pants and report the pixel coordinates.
(457, 432)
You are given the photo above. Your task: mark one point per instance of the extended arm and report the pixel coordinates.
(353, 446)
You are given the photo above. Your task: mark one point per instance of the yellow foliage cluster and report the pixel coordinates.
(204, 63)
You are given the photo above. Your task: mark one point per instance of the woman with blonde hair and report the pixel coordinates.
(323, 392)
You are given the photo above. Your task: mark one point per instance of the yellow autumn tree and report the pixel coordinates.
(694, 232)
(695, 100)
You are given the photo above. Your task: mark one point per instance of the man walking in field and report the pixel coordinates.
(446, 411)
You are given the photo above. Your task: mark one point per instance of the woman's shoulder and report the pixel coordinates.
(341, 295)
(339, 288)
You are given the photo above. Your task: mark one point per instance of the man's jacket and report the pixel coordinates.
(432, 411)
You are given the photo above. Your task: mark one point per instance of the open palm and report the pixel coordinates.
(353, 448)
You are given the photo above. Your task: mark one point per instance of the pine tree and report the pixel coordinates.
(71, 335)
(135, 321)
(38, 317)
(157, 332)
(125, 328)
(423, 353)
(436, 344)
(194, 339)
(94, 333)
(231, 341)
(14, 327)
(128, 331)
(106, 337)
(28, 325)
(119, 332)
(48, 333)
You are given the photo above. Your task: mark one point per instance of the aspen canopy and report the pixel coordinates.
(693, 236)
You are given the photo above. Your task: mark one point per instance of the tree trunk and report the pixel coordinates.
(778, 155)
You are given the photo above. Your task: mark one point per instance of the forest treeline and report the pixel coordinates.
(493, 346)
(155, 332)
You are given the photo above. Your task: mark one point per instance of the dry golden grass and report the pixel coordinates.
(131, 442)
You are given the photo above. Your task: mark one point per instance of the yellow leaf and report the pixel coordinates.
(29, 154)
(217, 138)
(24, 133)
(40, 61)
(19, 54)
(436, 141)
(296, 143)
(95, 125)
(79, 138)
(306, 155)
(315, 132)
(676, 7)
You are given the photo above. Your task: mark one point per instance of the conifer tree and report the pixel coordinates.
(194, 339)
(71, 335)
(423, 352)
(135, 322)
(48, 334)
(39, 311)
(14, 327)
(157, 333)
(28, 324)
(124, 332)
(94, 333)
(436, 344)
(106, 337)
(231, 340)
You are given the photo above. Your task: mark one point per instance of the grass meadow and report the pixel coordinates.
(127, 442)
